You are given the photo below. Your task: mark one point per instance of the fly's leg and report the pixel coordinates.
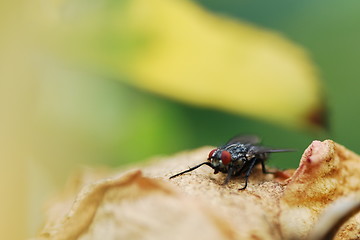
(229, 175)
(264, 168)
(193, 168)
(247, 174)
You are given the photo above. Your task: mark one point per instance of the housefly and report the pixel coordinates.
(237, 158)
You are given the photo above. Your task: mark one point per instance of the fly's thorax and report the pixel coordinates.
(239, 162)
(238, 150)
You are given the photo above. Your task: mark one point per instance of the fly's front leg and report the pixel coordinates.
(248, 171)
(229, 175)
(193, 168)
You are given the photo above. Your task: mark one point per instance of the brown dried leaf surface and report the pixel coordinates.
(327, 172)
(145, 204)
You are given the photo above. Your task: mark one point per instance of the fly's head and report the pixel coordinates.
(220, 158)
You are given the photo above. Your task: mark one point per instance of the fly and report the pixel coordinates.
(237, 158)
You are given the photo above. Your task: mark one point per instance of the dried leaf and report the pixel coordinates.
(147, 205)
(327, 172)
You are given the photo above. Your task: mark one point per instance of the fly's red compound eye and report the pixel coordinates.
(225, 157)
(211, 153)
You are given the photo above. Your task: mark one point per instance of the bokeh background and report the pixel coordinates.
(80, 86)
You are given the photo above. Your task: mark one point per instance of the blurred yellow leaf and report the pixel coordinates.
(178, 50)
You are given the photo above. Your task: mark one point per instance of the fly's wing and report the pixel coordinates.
(245, 139)
(260, 149)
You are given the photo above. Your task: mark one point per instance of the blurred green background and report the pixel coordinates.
(68, 117)
(123, 124)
